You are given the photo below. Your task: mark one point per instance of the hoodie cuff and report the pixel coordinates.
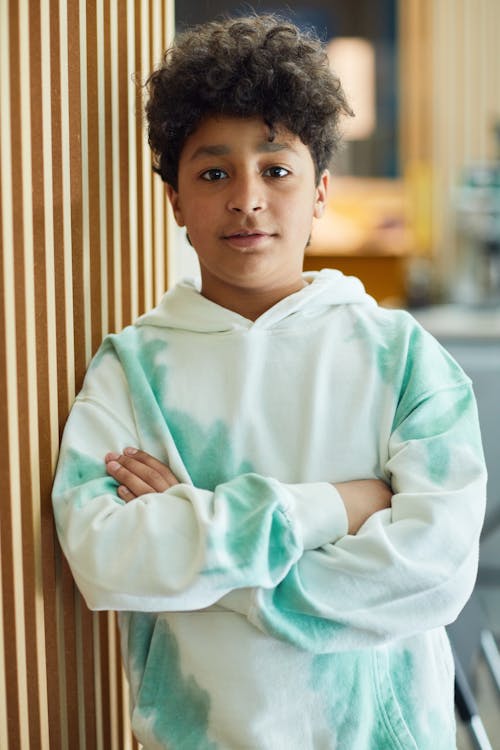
(319, 511)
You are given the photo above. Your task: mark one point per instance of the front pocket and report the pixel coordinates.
(398, 732)
(171, 709)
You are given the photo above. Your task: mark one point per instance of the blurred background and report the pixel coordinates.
(87, 244)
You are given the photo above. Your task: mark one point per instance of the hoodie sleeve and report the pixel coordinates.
(182, 549)
(408, 569)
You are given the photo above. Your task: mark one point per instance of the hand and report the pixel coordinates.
(362, 498)
(138, 473)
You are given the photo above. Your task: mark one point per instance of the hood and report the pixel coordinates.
(185, 308)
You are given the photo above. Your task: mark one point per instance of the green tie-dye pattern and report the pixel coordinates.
(403, 675)
(438, 462)
(389, 345)
(207, 453)
(432, 730)
(79, 470)
(288, 613)
(140, 628)
(209, 458)
(147, 382)
(436, 421)
(374, 703)
(417, 366)
(345, 681)
(262, 540)
(177, 707)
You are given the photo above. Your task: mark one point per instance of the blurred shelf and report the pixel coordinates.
(384, 275)
(365, 232)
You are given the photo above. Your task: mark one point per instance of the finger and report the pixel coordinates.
(152, 470)
(134, 484)
(125, 493)
(145, 473)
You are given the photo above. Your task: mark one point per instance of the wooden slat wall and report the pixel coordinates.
(83, 235)
(450, 94)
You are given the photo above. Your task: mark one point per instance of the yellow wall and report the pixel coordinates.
(83, 240)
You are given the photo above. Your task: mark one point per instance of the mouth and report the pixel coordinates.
(246, 233)
(247, 239)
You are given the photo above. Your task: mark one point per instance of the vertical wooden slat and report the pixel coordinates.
(74, 95)
(85, 633)
(55, 398)
(83, 240)
(114, 697)
(115, 166)
(28, 407)
(102, 46)
(15, 313)
(3, 686)
(10, 711)
(104, 681)
(147, 205)
(74, 315)
(47, 391)
(98, 686)
(108, 196)
(39, 359)
(132, 108)
(123, 83)
(4, 474)
(81, 177)
(122, 713)
(93, 108)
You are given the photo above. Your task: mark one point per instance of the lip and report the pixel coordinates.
(247, 239)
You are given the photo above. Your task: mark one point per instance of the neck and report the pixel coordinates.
(250, 303)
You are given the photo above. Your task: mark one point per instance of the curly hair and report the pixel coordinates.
(258, 65)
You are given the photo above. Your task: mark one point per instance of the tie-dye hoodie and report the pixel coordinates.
(250, 618)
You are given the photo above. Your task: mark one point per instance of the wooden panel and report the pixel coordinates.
(83, 238)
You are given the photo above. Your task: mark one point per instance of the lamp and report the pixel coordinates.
(353, 61)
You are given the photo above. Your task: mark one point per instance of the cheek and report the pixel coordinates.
(300, 214)
(196, 217)
(202, 226)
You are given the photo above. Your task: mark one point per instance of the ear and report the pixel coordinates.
(321, 194)
(173, 197)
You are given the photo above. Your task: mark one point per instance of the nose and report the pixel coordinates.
(246, 194)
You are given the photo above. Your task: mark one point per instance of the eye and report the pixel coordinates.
(276, 172)
(214, 175)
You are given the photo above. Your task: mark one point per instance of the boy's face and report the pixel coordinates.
(247, 204)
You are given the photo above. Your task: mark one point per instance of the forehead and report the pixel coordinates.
(221, 136)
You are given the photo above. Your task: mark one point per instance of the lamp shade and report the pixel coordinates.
(353, 61)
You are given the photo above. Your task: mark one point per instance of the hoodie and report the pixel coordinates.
(249, 617)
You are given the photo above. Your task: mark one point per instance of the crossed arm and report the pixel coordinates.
(277, 553)
(261, 547)
(138, 473)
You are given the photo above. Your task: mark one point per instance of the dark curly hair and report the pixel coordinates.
(242, 67)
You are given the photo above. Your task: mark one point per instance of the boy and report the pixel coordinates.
(224, 473)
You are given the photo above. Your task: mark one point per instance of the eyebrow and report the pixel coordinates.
(223, 150)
